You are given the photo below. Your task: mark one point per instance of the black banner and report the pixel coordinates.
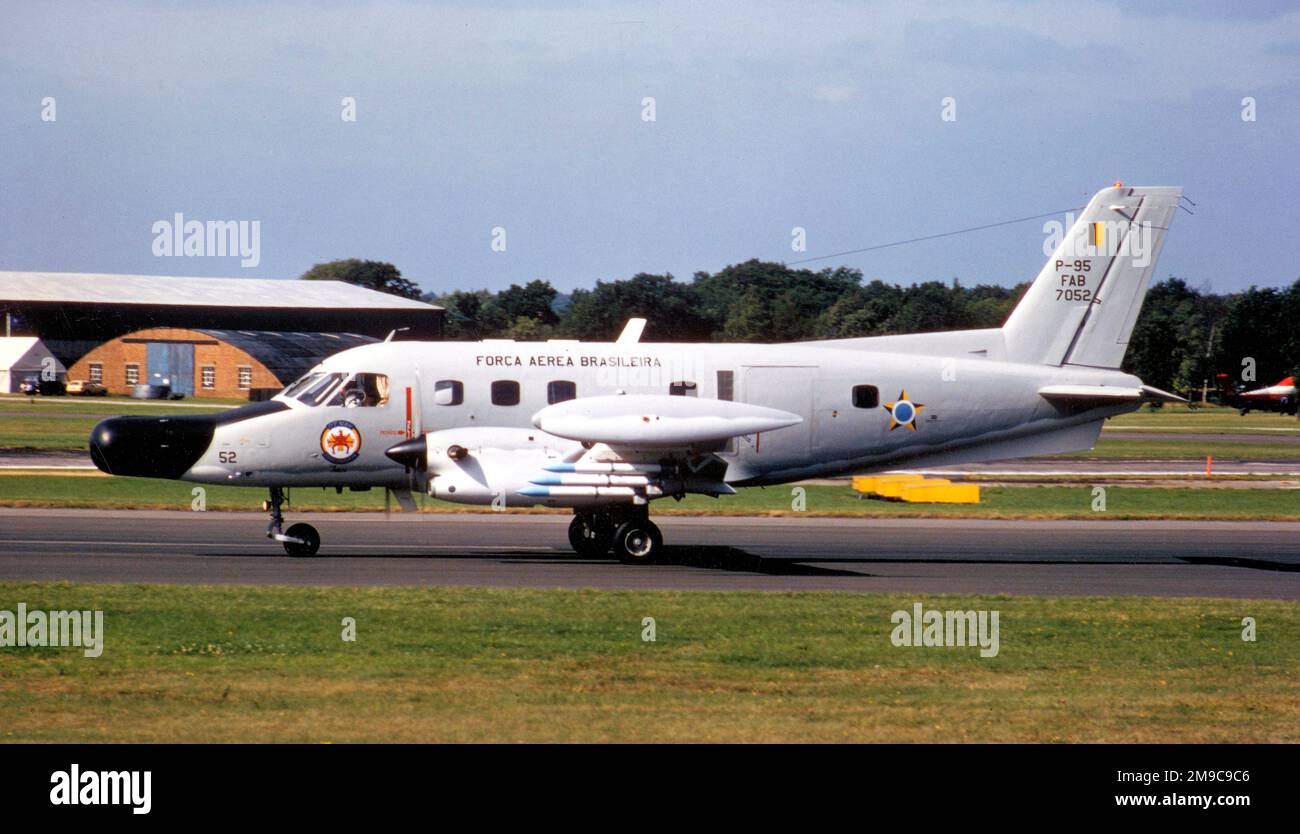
(140, 783)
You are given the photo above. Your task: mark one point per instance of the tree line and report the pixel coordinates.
(1183, 337)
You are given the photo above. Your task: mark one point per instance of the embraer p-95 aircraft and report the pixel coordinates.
(606, 428)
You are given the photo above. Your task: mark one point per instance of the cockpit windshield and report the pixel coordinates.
(299, 385)
(362, 390)
(319, 390)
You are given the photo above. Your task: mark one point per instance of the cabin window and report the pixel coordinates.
(505, 392)
(866, 396)
(560, 390)
(448, 392)
(363, 390)
(683, 389)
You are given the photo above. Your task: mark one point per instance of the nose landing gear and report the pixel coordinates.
(300, 539)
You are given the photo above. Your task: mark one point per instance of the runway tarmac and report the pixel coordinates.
(1162, 558)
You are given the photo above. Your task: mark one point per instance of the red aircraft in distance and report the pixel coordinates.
(1280, 397)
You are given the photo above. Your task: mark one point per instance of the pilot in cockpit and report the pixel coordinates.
(366, 391)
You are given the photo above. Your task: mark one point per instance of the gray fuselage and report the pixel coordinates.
(929, 399)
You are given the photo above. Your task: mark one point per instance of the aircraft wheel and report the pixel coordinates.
(638, 542)
(589, 535)
(310, 540)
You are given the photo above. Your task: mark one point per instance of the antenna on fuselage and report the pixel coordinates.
(394, 332)
(631, 332)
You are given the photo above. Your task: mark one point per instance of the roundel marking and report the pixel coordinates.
(902, 412)
(340, 442)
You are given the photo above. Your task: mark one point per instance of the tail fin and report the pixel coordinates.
(1082, 307)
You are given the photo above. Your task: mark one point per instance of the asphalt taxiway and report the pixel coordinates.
(1162, 558)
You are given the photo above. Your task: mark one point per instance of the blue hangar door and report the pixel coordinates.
(171, 363)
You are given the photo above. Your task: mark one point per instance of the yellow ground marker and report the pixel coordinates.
(946, 493)
(871, 483)
(895, 489)
(917, 489)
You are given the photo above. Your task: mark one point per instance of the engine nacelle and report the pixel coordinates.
(486, 465)
(508, 467)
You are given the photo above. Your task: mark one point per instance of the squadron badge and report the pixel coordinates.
(340, 442)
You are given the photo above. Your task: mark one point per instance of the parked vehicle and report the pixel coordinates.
(145, 391)
(85, 388)
(34, 385)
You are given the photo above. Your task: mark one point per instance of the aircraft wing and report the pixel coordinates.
(658, 421)
(1106, 393)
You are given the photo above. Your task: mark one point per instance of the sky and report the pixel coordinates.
(532, 118)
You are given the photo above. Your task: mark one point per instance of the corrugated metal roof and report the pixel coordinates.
(164, 290)
(288, 355)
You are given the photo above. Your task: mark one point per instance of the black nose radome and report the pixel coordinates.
(150, 447)
(410, 453)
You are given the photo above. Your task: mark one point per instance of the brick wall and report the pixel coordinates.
(115, 355)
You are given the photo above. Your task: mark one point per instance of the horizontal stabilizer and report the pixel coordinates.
(1152, 393)
(658, 421)
(1107, 393)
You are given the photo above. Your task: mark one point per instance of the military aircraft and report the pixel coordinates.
(607, 428)
(1280, 397)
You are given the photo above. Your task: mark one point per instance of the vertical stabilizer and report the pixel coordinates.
(1082, 307)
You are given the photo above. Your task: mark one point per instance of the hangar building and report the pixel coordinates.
(24, 356)
(72, 313)
(207, 362)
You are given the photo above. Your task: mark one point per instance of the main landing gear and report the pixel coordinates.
(634, 538)
(300, 539)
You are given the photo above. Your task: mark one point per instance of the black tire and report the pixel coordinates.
(310, 540)
(638, 542)
(590, 536)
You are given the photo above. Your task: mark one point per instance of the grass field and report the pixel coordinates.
(93, 490)
(254, 664)
(1211, 419)
(110, 406)
(65, 422)
(1113, 449)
